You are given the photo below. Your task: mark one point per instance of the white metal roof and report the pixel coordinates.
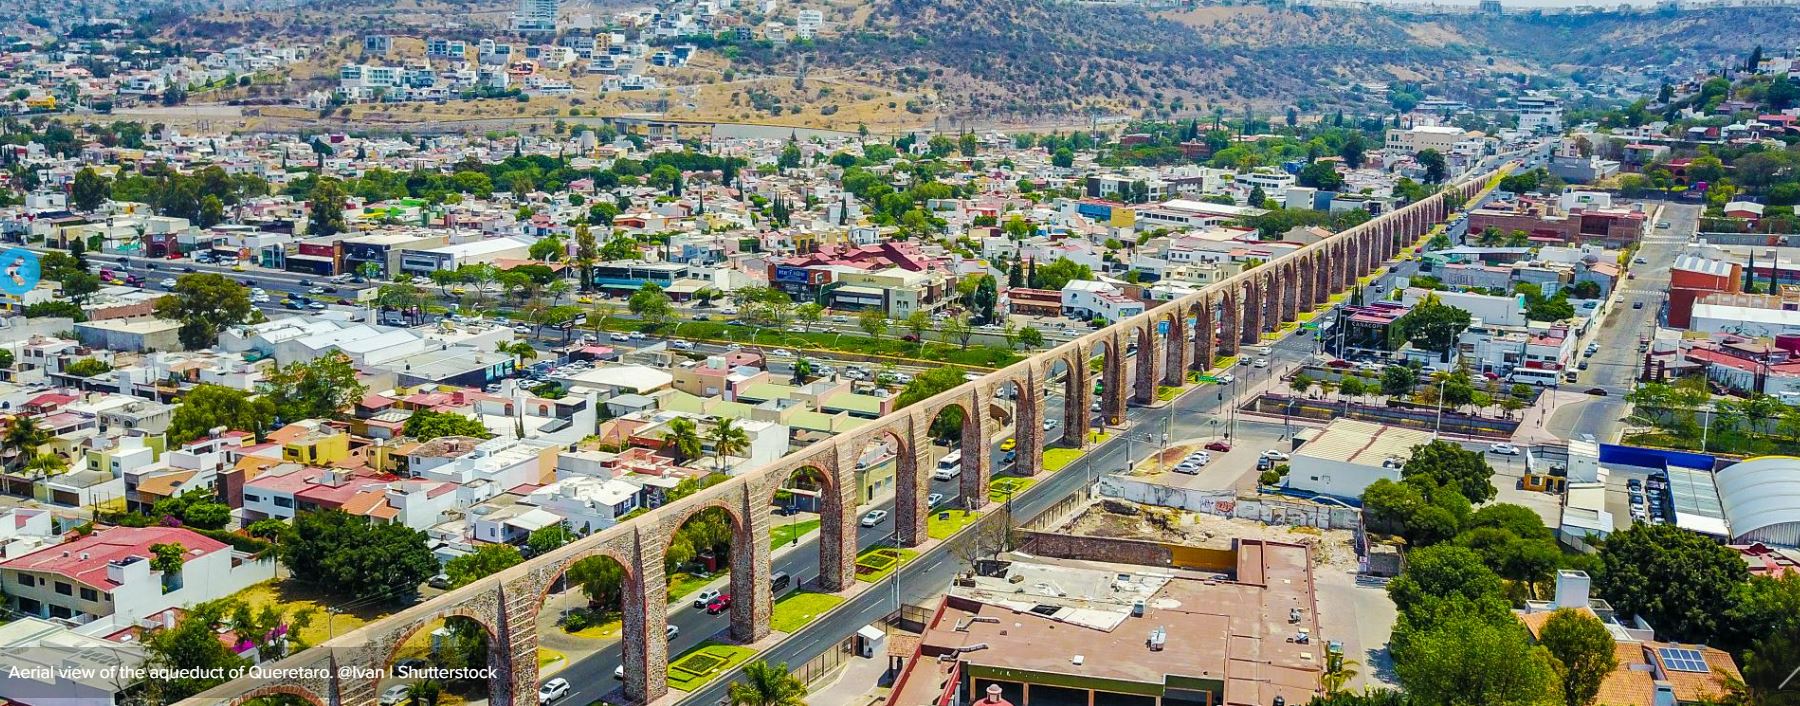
(1759, 493)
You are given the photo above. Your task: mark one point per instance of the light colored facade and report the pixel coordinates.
(1349, 455)
(1423, 137)
(107, 575)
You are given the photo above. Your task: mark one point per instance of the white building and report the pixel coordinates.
(106, 576)
(1539, 114)
(1422, 137)
(1086, 299)
(1349, 455)
(536, 16)
(587, 503)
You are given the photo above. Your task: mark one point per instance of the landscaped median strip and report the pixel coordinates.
(876, 563)
(697, 666)
(800, 608)
(941, 523)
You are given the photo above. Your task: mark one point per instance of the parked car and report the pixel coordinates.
(395, 695)
(718, 605)
(1220, 445)
(705, 596)
(1274, 455)
(1504, 449)
(553, 690)
(439, 581)
(874, 517)
(1634, 484)
(1637, 305)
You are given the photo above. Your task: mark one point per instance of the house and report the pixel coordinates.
(1088, 299)
(1349, 455)
(107, 575)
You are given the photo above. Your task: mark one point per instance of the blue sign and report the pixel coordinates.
(1162, 327)
(21, 271)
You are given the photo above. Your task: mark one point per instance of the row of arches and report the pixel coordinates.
(1055, 397)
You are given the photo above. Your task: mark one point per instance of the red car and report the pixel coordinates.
(1220, 445)
(719, 605)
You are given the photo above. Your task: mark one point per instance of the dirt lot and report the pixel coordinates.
(1332, 549)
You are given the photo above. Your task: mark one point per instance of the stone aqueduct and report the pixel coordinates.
(1242, 308)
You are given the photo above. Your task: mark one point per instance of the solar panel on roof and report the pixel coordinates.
(1682, 659)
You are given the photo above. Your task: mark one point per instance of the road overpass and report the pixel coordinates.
(1164, 343)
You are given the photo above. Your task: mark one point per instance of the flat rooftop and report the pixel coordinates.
(1365, 443)
(1232, 637)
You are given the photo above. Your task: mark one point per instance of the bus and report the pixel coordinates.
(1535, 376)
(949, 466)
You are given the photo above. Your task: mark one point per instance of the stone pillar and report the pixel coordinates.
(837, 524)
(1113, 404)
(1290, 292)
(977, 461)
(1250, 332)
(1028, 425)
(644, 645)
(1203, 336)
(913, 483)
(1341, 265)
(1231, 312)
(1148, 369)
(1175, 366)
(1303, 274)
(751, 603)
(1321, 271)
(1078, 398)
(1271, 316)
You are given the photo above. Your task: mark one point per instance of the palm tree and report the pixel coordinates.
(684, 435)
(1338, 671)
(767, 685)
(727, 439)
(521, 351)
(23, 438)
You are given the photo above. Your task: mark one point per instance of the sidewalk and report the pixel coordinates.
(859, 683)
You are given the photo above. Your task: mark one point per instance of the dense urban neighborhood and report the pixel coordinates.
(1456, 395)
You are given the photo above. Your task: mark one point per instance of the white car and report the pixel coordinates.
(1274, 455)
(1049, 424)
(704, 597)
(933, 499)
(875, 517)
(782, 353)
(1227, 379)
(394, 695)
(316, 290)
(553, 690)
(168, 282)
(671, 631)
(682, 345)
(1261, 363)
(1503, 449)
(522, 329)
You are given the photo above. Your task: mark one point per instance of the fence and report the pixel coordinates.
(1454, 423)
(827, 663)
(1227, 503)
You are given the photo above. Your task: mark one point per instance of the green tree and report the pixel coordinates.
(349, 557)
(326, 208)
(927, 384)
(321, 388)
(191, 653)
(1583, 652)
(1058, 274)
(765, 684)
(918, 322)
(872, 322)
(1063, 158)
(652, 306)
(23, 437)
(684, 438)
(1030, 337)
(90, 190)
(488, 559)
(425, 425)
(550, 249)
(1676, 579)
(1433, 325)
(548, 538)
(1451, 465)
(601, 578)
(728, 439)
(205, 304)
(1399, 380)
(1433, 162)
(1468, 661)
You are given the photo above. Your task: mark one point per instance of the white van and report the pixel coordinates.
(950, 466)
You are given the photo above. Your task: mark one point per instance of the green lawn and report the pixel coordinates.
(954, 522)
(795, 610)
(876, 563)
(997, 489)
(695, 667)
(1164, 393)
(1058, 458)
(681, 584)
(786, 533)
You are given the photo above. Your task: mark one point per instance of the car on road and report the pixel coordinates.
(1009, 444)
(294, 305)
(671, 631)
(316, 290)
(189, 268)
(395, 695)
(1274, 455)
(167, 282)
(304, 282)
(1583, 365)
(553, 690)
(1502, 448)
(316, 306)
(522, 329)
(1261, 363)
(874, 517)
(705, 596)
(782, 353)
(1639, 261)
(1227, 379)
(1049, 424)
(933, 499)
(718, 605)
(619, 337)
(1597, 391)
(1220, 445)
(682, 345)
(619, 672)
(1662, 224)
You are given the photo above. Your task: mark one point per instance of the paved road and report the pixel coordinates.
(1615, 366)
